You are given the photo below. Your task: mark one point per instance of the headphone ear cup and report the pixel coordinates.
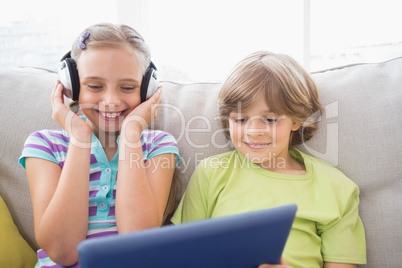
(68, 76)
(149, 83)
(75, 80)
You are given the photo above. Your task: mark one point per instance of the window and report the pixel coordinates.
(38, 33)
(202, 40)
(346, 32)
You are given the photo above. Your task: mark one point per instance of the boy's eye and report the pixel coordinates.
(240, 120)
(272, 120)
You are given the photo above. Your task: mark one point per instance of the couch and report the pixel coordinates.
(360, 133)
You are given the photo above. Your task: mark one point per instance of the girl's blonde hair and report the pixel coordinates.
(105, 35)
(288, 90)
(113, 35)
(117, 36)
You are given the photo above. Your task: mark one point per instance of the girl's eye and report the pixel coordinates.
(93, 86)
(128, 88)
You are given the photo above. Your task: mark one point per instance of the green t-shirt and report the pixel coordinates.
(327, 226)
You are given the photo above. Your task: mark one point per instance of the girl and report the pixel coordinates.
(106, 156)
(269, 105)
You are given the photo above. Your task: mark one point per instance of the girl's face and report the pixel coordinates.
(110, 81)
(262, 136)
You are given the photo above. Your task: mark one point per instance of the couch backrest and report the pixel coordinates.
(359, 133)
(25, 107)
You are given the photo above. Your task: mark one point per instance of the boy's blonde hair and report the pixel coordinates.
(288, 90)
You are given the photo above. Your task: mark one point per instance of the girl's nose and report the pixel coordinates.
(111, 107)
(111, 100)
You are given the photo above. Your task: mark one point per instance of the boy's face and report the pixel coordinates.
(261, 135)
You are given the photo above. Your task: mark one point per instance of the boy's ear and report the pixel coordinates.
(295, 126)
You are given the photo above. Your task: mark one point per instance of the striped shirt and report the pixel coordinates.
(52, 145)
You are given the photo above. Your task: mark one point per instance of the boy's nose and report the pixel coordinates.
(257, 126)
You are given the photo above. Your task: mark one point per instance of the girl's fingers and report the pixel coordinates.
(146, 112)
(54, 90)
(157, 102)
(57, 93)
(156, 97)
(59, 109)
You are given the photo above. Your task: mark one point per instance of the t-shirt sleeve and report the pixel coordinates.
(194, 203)
(344, 240)
(155, 143)
(38, 145)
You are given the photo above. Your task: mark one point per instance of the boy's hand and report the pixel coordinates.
(282, 264)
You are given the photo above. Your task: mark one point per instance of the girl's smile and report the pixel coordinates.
(111, 116)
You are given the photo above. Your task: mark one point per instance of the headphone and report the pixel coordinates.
(68, 76)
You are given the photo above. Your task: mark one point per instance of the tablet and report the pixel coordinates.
(236, 241)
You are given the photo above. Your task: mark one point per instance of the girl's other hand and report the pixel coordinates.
(76, 128)
(143, 114)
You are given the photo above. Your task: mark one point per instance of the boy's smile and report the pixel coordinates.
(256, 145)
(261, 135)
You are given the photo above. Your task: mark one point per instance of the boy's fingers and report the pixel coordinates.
(282, 261)
(274, 266)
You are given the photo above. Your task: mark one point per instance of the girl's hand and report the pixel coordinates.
(76, 128)
(142, 115)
